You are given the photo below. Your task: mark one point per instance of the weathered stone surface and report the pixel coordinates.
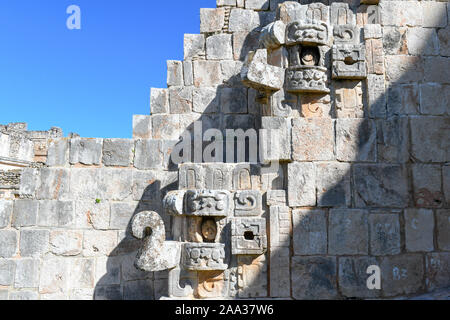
(99, 243)
(257, 4)
(309, 232)
(405, 69)
(27, 273)
(54, 184)
(243, 20)
(376, 96)
(375, 56)
(333, 184)
(349, 99)
(353, 277)
(188, 73)
(301, 184)
(437, 69)
(81, 273)
(129, 270)
(438, 270)
(313, 139)
(446, 183)
(231, 72)
(85, 151)
(288, 11)
(434, 15)
(219, 47)
(29, 182)
(233, 100)
(280, 136)
(402, 274)
(356, 140)
(7, 270)
(419, 227)
(174, 73)
(81, 294)
(34, 243)
(56, 213)
(117, 152)
(313, 278)
(180, 98)
(121, 214)
(393, 140)
(444, 41)
(138, 290)
(380, 186)
(252, 276)
(422, 41)
(148, 154)
(428, 138)
(401, 13)
(276, 198)
(427, 182)
(443, 229)
(403, 100)
(207, 73)
(280, 284)
(280, 228)
(256, 228)
(6, 210)
(205, 100)
(194, 46)
(243, 43)
(113, 292)
(54, 276)
(3, 295)
(212, 20)
(261, 75)
(372, 31)
(394, 40)
(142, 126)
(23, 295)
(107, 270)
(312, 105)
(348, 232)
(384, 230)
(435, 99)
(66, 243)
(58, 153)
(8, 239)
(159, 101)
(25, 213)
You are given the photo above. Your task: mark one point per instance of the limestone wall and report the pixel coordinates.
(364, 176)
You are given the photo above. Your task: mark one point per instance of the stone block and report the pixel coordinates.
(6, 209)
(23, 295)
(444, 41)
(373, 31)
(310, 232)
(99, 243)
(243, 43)
(233, 100)
(403, 100)
(129, 270)
(117, 152)
(27, 273)
(54, 277)
(113, 292)
(446, 183)
(205, 100)
(121, 214)
(429, 139)
(24, 213)
(29, 182)
(402, 274)
(348, 232)
(174, 73)
(380, 186)
(180, 98)
(81, 273)
(4, 295)
(313, 278)
(212, 20)
(393, 140)
(375, 56)
(434, 14)
(427, 182)
(107, 270)
(356, 140)
(257, 5)
(142, 126)
(194, 46)
(443, 229)
(231, 72)
(313, 139)
(434, 99)
(394, 40)
(349, 99)
(252, 277)
(58, 153)
(219, 47)
(437, 69)
(7, 270)
(34, 243)
(419, 228)
(8, 239)
(422, 41)
(301, 184)
(207, 73)
(138, 290)
(333, 184)
(188, 73)
(54, 184)
(280, 273)
(66, 243)
(280, 227)
(312, 105)
(244, 20)
(405, 69)
(438, 270)
(263, 76)
(159, 101)
(376, 96)
(56, 213)
(384, 234)
(222, 3)
(147, 185)
(353, 277)
(148, 154)
(170, 127)
(401, 13)
(85, 151)
(81, 294)
(276, 198)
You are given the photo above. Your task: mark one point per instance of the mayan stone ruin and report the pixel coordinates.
(297, 144)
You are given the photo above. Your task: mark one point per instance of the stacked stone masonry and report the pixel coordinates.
(360, 111)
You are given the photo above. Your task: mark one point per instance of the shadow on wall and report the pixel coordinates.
(385, 164)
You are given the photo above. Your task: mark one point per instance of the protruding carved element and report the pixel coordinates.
(173, 202)
(300, 32)
(175, 279)
(156, 254)
(273, 35)
(347, 34)
(204, 256)
(258, 74)
(247, 203)
(349, 62)
(248, 236)
(207, 203)
(307, 79)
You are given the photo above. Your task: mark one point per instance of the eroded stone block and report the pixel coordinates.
(194, 46)
(313, 139)
(34, 243)
(159, 101)
(333, 184)
(6, 209)
(393, 140)
(427, 182)
(56, 213)
(309, 232)
(443, 229)
(280, 227)
(219, 47)
(384, 234)
(58, 153)
(207, 73)
(419, 228)
(174, 73)
(85, 151)
(180, 98)
(248, 236)
(301, 184)
(142, 127)
(117, 152)
(99, 243)
(349, 99)
(429, 139)
(212, 20)
(356, 140)
(148, 154)
(25, 213)
(54, 184)
(353, 277)
(438, 270)
(348, 232)
(7, 270)
(252, 276)
(66, 243)
(8, 239)
(27, 273)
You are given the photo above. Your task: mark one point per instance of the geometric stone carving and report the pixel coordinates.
(247, 203)
(346, 34)
(307, 79)
(203, 256)
(341, 14)
(349, 99)
(207, 203)
(191, 176)
(318, 11)
(349, 62)
(248, 236)
(375, 56)
(301, 32)
(211, 284)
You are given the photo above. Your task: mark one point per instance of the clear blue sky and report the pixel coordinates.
(89, 81)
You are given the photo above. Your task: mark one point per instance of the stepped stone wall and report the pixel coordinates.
(363, 176)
